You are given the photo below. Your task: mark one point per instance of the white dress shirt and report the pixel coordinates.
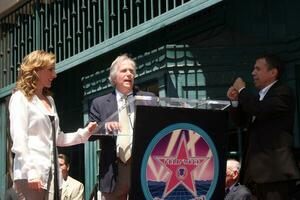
(131, 111)
(130, 100)
(31, 133)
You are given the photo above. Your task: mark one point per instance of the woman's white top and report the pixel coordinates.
(31, 133)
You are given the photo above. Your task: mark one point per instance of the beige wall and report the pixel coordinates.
(5, 4)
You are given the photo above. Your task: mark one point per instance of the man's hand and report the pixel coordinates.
(232, 94)
(239, 84)
(112, 126)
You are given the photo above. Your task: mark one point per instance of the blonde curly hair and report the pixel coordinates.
(27, 81)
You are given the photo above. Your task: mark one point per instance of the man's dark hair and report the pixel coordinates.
(65, 158)
(274, 62)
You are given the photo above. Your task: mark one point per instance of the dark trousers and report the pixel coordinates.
(122, 187)
(283, 190)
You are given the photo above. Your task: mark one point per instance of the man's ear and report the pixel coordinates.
(235, 175)
(274, 72)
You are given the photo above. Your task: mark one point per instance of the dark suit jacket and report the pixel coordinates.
(269, 157)
(238, 192)
(102, 108)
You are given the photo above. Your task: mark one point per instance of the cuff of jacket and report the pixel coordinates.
(32, 174)
(85, 134)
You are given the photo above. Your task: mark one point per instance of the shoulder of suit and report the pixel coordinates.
(281, 88)
(74, 181)
(244, 189)
(103, 97)
(19, 95)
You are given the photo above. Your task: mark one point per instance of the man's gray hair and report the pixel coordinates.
(233, 165)
(116, 63)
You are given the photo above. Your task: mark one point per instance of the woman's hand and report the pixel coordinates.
(91, 126)
(35, 184)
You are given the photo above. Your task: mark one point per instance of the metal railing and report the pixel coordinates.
(94, 193)
(68, 27)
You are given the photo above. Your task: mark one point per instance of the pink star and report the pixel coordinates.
(180, 168)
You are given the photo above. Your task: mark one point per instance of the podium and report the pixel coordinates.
(179, 149)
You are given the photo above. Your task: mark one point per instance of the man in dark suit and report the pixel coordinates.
(114, 165)
(270, 166)
(234, 190)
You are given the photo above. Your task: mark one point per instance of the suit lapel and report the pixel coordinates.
(252, 119)
(270, 91)
(111, 105)
(64, 189)
(232, 191)
(39, 105)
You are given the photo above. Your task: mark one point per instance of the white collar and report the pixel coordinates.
(119, 95)
(263, 92)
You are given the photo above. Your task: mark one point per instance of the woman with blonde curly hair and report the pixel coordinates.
(31, 109)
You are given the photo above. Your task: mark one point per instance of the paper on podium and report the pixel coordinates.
(162, 102)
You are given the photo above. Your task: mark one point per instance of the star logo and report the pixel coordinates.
(181, 168)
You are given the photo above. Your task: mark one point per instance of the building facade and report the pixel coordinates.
(183, 48)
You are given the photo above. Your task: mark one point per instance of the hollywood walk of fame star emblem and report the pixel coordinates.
(180, 168)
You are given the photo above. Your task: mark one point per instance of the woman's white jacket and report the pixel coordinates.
(31, 133)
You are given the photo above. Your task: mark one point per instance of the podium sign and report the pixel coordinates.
(178, 153)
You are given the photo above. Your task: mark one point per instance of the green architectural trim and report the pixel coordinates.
(3, 149)
(91, 162)
(151, 26)
(91, 166)
(6, 91)
(133, 34)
